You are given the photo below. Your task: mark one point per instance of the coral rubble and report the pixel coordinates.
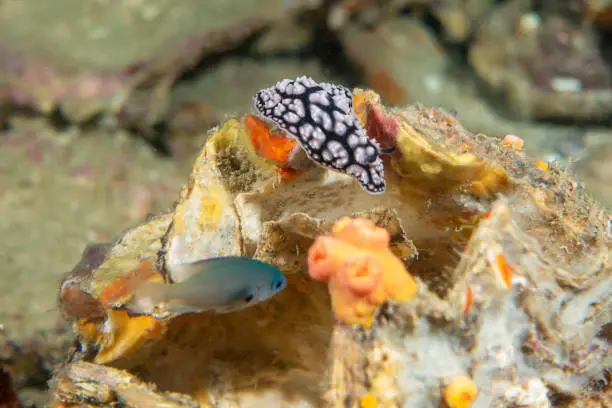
(538, 61)
(116, 58)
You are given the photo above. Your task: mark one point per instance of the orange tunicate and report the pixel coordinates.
(361, 271)
(272, 146)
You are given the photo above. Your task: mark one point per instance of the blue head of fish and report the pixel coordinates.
(254, 282)
(265, 288)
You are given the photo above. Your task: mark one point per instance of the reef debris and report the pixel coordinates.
(116, 59)
(111, 387)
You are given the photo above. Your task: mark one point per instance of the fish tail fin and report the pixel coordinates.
(147, 296)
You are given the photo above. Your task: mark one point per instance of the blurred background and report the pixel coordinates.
(104, 104)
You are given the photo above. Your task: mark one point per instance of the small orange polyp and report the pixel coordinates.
(469, 300)
(461, 392)
(368, 401)
(542, 165)
(506, 270)
(361, 100)
(500, 264)
(272, 146)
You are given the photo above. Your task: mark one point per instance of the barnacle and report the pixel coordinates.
(361, 271)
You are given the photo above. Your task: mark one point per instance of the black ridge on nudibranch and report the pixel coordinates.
(320, 117)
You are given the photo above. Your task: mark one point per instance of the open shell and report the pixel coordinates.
(513, 261)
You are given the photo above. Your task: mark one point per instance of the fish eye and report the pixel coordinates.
(278, 284)
(248, 298)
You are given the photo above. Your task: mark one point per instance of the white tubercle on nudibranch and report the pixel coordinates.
(321, 118)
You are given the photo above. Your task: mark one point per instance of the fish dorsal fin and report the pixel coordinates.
(185, 270)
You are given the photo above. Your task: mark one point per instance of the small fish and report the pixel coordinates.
(222, 284)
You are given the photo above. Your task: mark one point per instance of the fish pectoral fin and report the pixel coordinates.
(227, 309)
(238, 300)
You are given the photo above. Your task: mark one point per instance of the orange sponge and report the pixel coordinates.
(361, 271)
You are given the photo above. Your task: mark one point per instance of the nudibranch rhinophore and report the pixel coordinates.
(321, 118)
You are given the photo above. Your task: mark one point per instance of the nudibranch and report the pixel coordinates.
(321, 118)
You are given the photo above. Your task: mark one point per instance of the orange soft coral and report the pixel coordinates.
(269, 145)
(360, 269)
(273, 146)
